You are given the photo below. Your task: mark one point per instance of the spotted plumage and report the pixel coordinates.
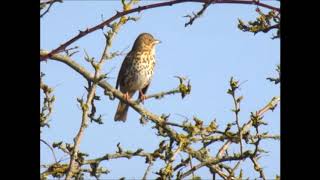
(136, 71)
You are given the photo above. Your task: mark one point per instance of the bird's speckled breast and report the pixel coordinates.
(143, 67)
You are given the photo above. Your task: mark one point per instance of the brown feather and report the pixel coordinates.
(122, 110)
(125, 63)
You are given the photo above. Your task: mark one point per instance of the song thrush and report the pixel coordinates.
(136, 72)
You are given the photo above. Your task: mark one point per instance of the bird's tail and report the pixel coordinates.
(122, 110)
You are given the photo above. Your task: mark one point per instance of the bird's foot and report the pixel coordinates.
(142, 97)
(126, 96)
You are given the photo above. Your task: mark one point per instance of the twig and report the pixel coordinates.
(161, 94)
(223, 149)
(198, 14)
(258, 168)
(123, 154)
(191, 166)
(213, 161)
(54, 155)
(234, 168)
(183, 163)
(175, 124)
(223, 137)
(192, 170)
(48, 101)
(275, 26)
(147, 170)
(51, 2)
(236, 102)
(277, 79)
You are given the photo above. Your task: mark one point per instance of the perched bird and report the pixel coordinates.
(136, 72)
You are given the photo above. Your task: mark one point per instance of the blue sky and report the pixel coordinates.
(209, 52)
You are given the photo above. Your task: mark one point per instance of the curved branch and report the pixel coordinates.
(141, 8)
(51, 2)
(118, 155)
(54, 155)
(192, 170)
(147, 171)
(90, 77)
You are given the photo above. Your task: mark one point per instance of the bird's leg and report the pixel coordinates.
(142, 96)
(126, 96)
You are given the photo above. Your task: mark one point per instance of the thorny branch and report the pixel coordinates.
(276, 80)
(233, 87)
(198, 14)
(257, 167)
(48, 101)
(183, 89)
(263, 23)
(161, 94)
(43, 4)
(123, 154)
(118, 14)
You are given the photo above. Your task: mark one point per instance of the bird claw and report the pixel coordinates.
(126, 96)
(142, 97)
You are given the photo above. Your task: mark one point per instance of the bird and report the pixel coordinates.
(136, 72)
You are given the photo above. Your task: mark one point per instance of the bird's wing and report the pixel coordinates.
(122, 72)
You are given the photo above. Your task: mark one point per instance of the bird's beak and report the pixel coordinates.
(157, 41)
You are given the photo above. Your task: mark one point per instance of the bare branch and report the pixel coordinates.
(117, 155)
(53, 154)
(161, 94)
(84, 123)
(48, 101)
(147, 171)
(198, 14)
(233, 87)
(258, 168)
(50, 2)
(277, 79)
(192, 170)
(142, 8)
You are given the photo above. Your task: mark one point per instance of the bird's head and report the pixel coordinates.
(145, 41)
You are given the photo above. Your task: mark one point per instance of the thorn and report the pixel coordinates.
(139, 9)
